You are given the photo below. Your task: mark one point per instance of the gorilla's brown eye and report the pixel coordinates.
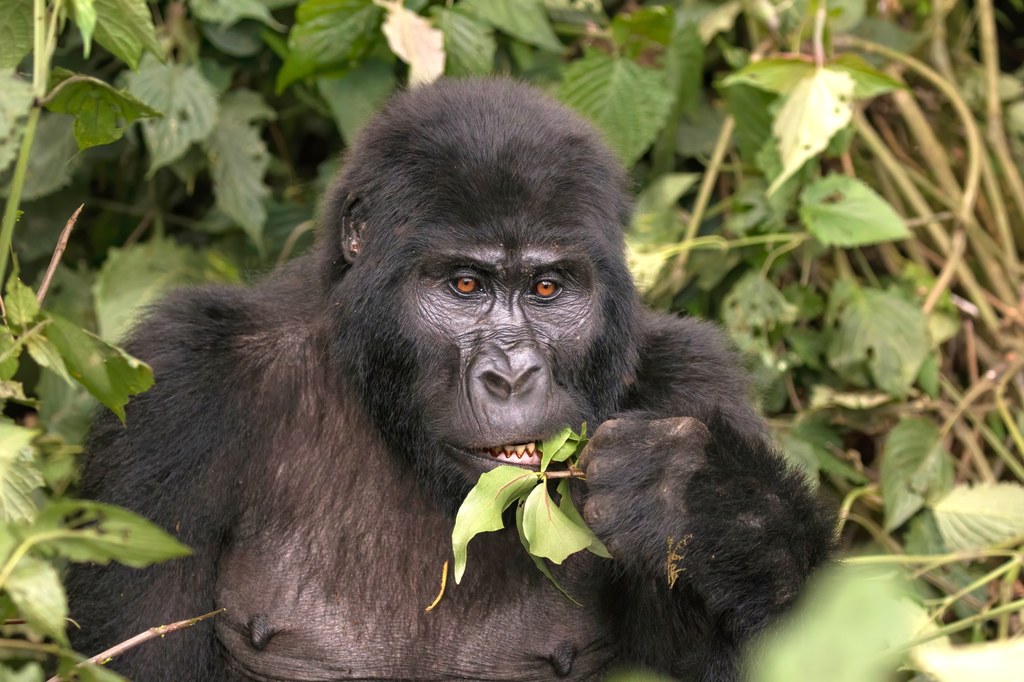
(545, 288)
(466, 285)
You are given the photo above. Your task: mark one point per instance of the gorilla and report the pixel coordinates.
(311, 436)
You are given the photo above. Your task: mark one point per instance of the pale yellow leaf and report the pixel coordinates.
(816, 109)
(995, 662)
(414, 41)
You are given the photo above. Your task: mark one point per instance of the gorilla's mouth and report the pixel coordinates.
(521, 453)
(525, 455)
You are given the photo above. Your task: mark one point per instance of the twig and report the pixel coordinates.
(62, 244)
(973, 137)
(707, 184)
(948, 270)
(988, 43)
(152, 633)
(819, 34)
(571, 472)
(444, 584)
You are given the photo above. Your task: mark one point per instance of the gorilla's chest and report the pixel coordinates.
(347, 601)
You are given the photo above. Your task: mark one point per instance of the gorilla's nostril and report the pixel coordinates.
(497, 385)
(526, 380)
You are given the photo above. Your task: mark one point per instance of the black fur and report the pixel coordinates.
(310, 436)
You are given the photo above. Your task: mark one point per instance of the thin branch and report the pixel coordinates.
(444, 584)
(945, 277)
(152, 633)
(571, 472)
(819, 34)
(62, 244)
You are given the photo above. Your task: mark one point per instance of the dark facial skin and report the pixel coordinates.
(508, 318)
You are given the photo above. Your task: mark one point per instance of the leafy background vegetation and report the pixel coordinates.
(838, 182)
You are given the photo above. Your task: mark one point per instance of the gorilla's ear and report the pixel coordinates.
(351, 229)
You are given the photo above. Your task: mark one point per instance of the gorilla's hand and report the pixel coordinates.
(637, 473)
(695, 504)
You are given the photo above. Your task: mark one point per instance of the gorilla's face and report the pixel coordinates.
(504, 332)
(477, 276)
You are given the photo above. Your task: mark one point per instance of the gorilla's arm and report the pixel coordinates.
(687, 490)
(170, 463)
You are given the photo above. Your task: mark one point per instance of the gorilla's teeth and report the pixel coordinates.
(520, 449)
(531, 448)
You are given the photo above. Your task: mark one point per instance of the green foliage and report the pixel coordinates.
(844, 201)
(101, 112)
(842, 211)
(980, 516)
(187, 101)
(915, 469)
(548, 529)
(627, 102)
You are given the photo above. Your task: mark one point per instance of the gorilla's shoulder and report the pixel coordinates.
(215, 327)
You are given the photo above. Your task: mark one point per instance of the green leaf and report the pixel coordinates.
(811, 444)
(328, 34)
(82, 530)
(53, 159)
(753, 309)
(238, 161)
(776, 74)
(85, 19)
(566, 505)
(227, 12)
(9, 352)
(980, 516)
(188, 102)
(19, 476)
(469, 43)
(550, 446)
(32, 672)
(843, 211)
(481, 510)
(105, 370)
(36, 590)
(46, 355)
(125, 27)
(21, 304)
(551, 534)
(816, 642)
(358, 95)
(816, 109)
(868, 82)
(524, 20)
(134, 277)
(656, 218)
(916, 468)
(721, 17)
(101, 112)
(627, 102)
(642, 29)
(881, 330)
(537, 561)
(15, 40)
(15, 104)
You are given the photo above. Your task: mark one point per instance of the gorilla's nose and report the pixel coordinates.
(516, 374)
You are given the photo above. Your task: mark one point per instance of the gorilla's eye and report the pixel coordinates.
(545, 288)
(466, 285)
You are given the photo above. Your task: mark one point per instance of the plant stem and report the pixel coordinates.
(152, 633)
(43, 41)
(962, 624)
(17, 184)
